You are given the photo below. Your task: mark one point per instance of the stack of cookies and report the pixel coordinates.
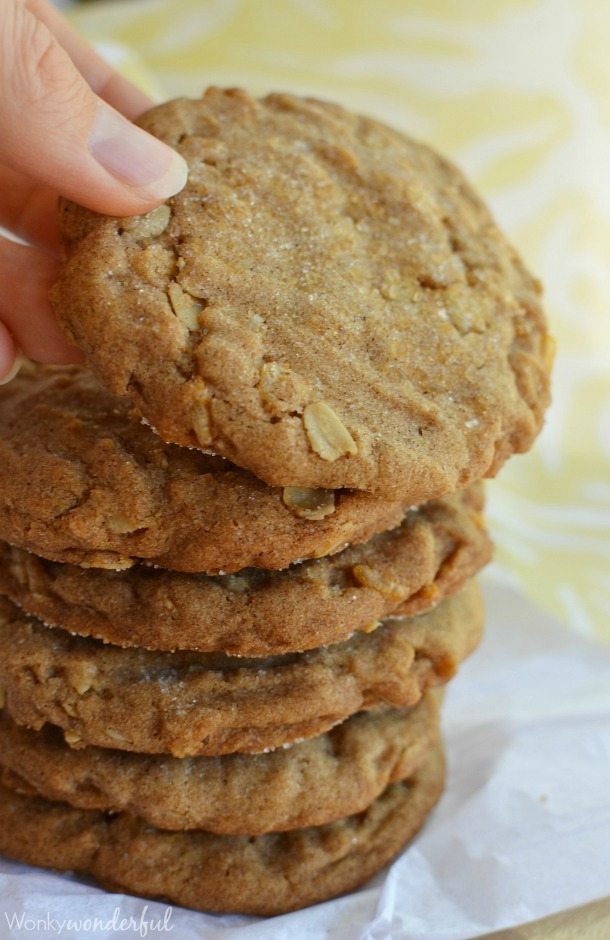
(238, 554)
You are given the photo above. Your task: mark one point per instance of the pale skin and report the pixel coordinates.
(64, 130)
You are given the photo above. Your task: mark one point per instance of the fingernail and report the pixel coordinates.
(135, 157)
(14, 369)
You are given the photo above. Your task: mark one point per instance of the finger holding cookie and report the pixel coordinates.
(65, 128)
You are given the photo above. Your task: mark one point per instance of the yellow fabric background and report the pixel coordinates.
(518, 93)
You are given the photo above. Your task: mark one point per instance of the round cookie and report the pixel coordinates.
(435, 550)
(83, 482)
(326, 303)
(189, 704)
(265, 875)
(311, 783)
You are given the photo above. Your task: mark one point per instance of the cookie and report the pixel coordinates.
(189, 704)
(436, 549)
(266, 875)
(308, 784)
(326, 303)
(82, 482)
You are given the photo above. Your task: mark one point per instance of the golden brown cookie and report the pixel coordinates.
(189, 704)
(337, 774)
(266, 875)
(326, 303)
(436, 549)
(83, 482)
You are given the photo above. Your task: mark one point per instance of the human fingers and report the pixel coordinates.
(99, 75)
(29, 210)
(26, 275)
(56, 130)
(10, 357)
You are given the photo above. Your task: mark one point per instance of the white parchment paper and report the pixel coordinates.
(522, 831)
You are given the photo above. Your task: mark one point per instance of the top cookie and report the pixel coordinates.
(327, 303)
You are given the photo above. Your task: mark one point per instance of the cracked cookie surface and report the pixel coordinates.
(189, 704)
(326, 303)
(435, 550)
(310, 783)
(83, 482)
(264, 875)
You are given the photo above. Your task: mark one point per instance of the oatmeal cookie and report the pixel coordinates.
(312, 783)
(189, 704)
(266, 875)
(435, 550)
(326, 303)
(85, 483)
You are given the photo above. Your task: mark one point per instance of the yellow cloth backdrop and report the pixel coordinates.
(518, 93)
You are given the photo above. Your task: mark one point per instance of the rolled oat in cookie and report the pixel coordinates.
(189, 704)
(326, 303)
(436, 549)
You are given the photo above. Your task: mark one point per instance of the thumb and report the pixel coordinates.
(54, 129)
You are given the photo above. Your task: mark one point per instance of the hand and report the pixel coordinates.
(62, 131)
